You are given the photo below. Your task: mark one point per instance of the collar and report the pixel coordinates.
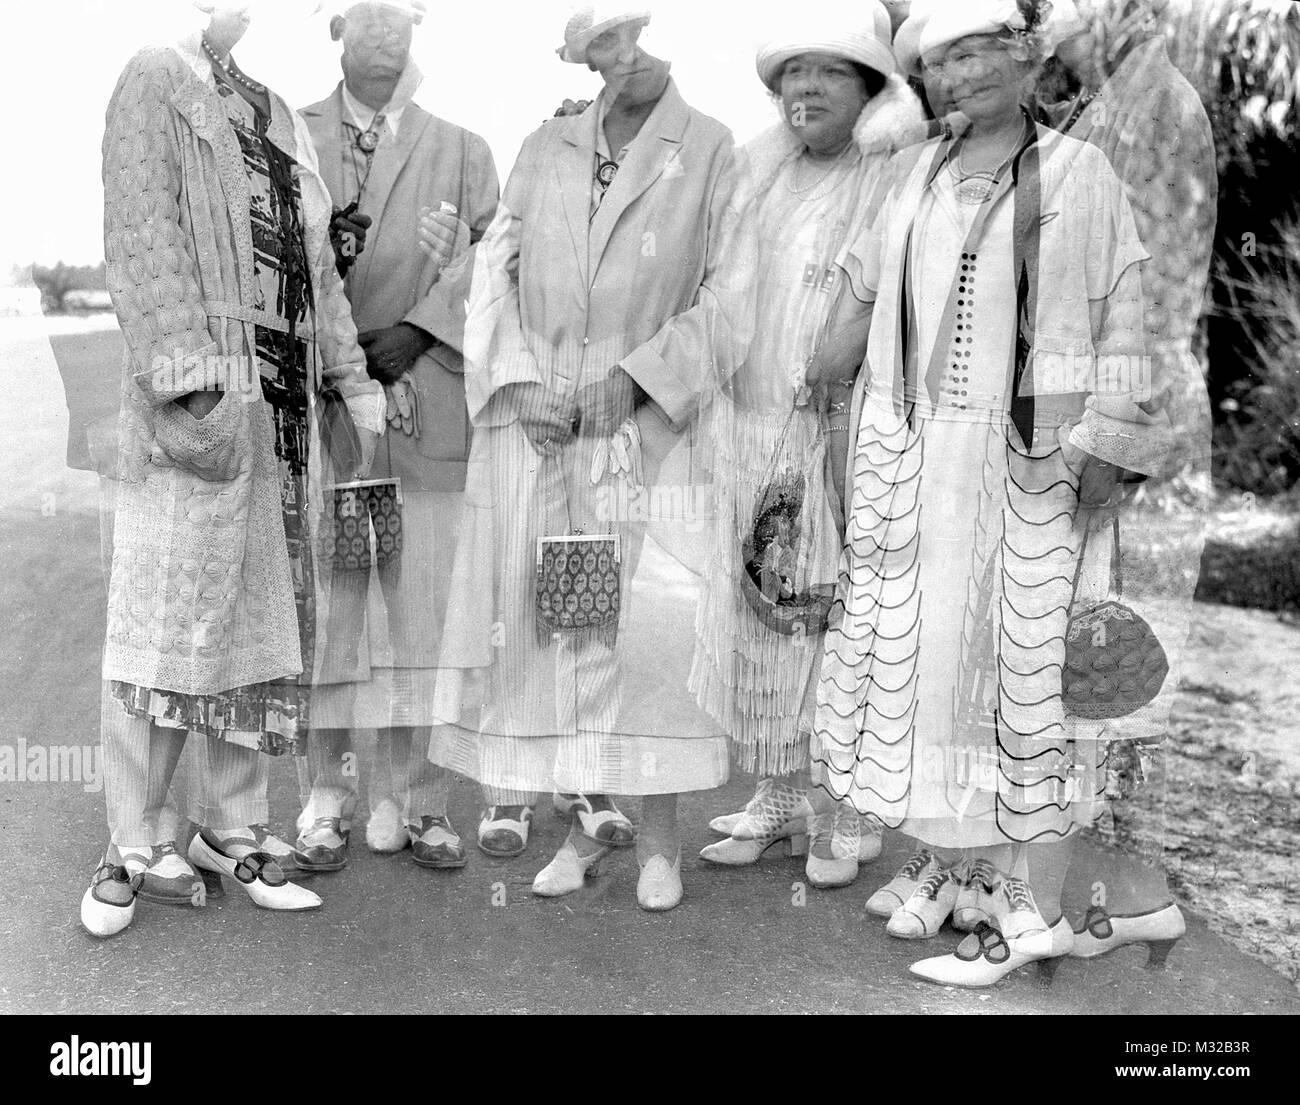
(668, 120)
(362, 116)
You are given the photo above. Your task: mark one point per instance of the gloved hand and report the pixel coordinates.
(404, 405)
(348, 236)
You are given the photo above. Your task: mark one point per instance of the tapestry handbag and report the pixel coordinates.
(579, 585)
(1114, 663)
(357, 506)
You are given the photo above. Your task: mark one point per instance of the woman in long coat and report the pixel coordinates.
(595, 320)
(216, 235)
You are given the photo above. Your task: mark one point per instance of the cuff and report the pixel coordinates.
(1136, 447)
(438, 318)
(198, 370)
(664, 387)
(369, 410)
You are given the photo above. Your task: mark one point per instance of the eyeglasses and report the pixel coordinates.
(966, 60)
(378, 23)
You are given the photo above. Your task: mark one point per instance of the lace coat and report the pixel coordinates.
(200, 597)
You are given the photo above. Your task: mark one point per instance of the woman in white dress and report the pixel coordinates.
(843, 113)
(1005, 362)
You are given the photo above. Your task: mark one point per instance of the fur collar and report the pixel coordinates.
(889, 122)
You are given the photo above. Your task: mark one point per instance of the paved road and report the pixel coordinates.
(395, 938)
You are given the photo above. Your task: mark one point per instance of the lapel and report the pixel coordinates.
(658, 143)
(325, 121)
(199, 104)
(573, 176)
(390, 159)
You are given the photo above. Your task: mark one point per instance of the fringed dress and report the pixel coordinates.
(754, 680)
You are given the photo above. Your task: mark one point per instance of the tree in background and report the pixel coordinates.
(56, 282)
(1242, 55)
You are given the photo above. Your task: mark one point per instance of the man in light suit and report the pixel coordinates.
(385, 160)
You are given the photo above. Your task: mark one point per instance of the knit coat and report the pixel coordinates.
(200, 598)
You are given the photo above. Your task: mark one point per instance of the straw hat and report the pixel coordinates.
(591, 21)
(863, 38)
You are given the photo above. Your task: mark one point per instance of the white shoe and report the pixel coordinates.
(1015, 914)
(924, 913)
(724, 824)
(503, 830)
(744, 853)
(885, 901)
(1103, 932)
(774, 806)
(985, 956)
(870, 841)
(608, 825)
(567, 871)
(256, 871)
(977, 881)
(660, 886)
(108, 905)
(386, 831)
(836, 839)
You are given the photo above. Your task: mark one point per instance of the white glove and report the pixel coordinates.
(404, 405)
(619, 455)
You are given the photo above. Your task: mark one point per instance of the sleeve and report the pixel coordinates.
(342, 362)
(683, 361)
(442, 312)
(861, 257)
(496, 353)
(149, 257)
(1117, 424)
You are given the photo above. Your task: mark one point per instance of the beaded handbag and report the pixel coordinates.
(1114, 663)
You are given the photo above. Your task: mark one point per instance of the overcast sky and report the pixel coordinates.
(490, 66)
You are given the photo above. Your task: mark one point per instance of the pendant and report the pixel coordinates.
(367, 141)
(975, 190)
(606, 172)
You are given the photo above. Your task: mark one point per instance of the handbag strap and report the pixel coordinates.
(1116, 572)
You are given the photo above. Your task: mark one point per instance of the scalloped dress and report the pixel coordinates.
(939, 699)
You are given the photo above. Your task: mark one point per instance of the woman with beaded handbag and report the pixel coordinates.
(1002, 277)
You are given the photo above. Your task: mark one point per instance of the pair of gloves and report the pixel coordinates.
(403, 405)
(619, 454)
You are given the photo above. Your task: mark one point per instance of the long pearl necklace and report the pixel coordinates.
(805, 194)
(975, 188)
(231, 70)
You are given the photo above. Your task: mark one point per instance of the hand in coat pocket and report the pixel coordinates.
(214, 445)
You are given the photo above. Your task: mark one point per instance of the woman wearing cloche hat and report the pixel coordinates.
(1002, 271)
(844, 111)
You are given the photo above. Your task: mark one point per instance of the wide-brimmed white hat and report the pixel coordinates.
(416, 9)
(1063, 22)
(950, 20)
(589, 22)
(863, 37)
(907, 41)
